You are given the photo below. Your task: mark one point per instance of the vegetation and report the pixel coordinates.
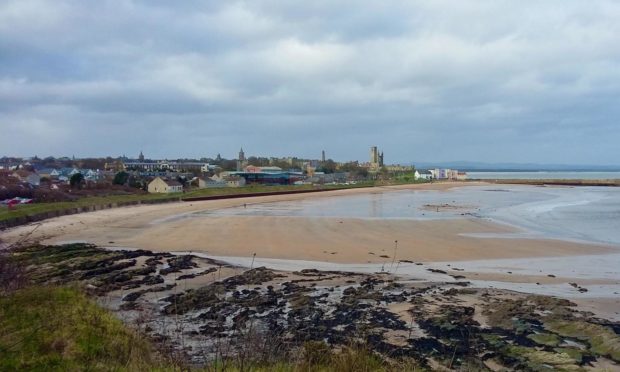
(47, 322)
(121, 178)
(59, 328)
(76, 180)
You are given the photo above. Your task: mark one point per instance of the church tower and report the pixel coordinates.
(241, 160)
(141, 157)
(376, 158)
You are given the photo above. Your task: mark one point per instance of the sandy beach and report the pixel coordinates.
(343, 240)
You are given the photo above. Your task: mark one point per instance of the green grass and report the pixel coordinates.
(603, 340)
(539, 360)
(546, 339)
(59, 328)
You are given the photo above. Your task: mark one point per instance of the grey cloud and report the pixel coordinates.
(428, 80)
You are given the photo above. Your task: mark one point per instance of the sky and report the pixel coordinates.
(436, 80)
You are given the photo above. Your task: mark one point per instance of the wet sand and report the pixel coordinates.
(170, 227)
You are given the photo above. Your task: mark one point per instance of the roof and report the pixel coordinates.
(23, 173)
(167, 182)
(172, 182)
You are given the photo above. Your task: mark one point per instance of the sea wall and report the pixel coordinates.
(267, 193)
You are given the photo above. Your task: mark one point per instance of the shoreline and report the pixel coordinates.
(190, 303)
(173, 227)
(330, 243)
(553, 182)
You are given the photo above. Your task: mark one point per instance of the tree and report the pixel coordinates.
(76, 180)
(182, 180)
(120, 178)
(328, 166)
(354, 169)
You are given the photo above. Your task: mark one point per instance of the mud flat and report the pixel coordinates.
(204, 309)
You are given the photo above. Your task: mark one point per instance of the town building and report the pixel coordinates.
(30, 178)
(241, 163)
(162, 186)
(208, 183)
(164, 165)
(269, 175)
(235, 181)
(448, 174)
(376, 158)
(423, 175)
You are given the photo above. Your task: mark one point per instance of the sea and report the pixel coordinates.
(544, 175)
(582, 213)
(571, 213)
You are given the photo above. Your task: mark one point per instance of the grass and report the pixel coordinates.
(546, 339)
(59, 328)
(603, 341)
(538, 360)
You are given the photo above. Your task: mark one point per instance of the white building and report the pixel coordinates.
(207, 183)
(423, 175)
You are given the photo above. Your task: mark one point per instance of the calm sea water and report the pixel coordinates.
(541, 175)
(590, 214)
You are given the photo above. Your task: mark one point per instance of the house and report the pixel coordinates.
(159, 185)
(29, 177)
(235, 181)
(423, 175)
(92, 175)
(461, 176)
(204, 183)
(49, 173)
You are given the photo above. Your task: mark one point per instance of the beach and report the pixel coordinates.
(322, 229)
(411, 265)
(173, 227)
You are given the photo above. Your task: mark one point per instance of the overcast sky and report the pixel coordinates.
(492, 81)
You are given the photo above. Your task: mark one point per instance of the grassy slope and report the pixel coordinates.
(56, 328)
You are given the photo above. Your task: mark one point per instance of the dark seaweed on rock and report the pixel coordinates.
(521, 332)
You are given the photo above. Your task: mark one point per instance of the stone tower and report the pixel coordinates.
(374, 155)
(376, 158)
(241, 155)
(141, 157)
(241, 160)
